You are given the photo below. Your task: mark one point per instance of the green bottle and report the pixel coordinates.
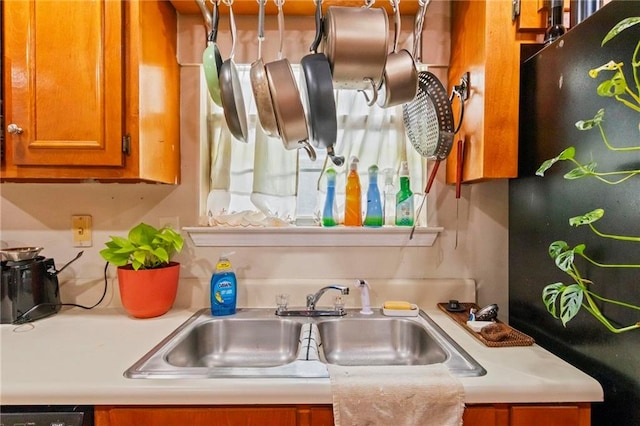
(404, 199)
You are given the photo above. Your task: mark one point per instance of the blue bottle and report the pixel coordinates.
(374, 216)
(328, 213)
(223, 288)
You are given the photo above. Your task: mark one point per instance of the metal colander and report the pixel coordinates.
(428, 119)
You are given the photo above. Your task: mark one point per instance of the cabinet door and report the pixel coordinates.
(486, 415)
(64, 82)
(196, 416)
(532, 17)
(317, 415)
(576, 415)
(485, 42)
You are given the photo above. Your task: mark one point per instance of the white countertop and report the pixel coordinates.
(78, 357)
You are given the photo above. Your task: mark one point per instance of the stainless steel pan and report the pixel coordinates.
(230, 89)
(287, 105)
(260, 84)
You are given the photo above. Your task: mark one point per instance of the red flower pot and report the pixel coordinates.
(148, 293)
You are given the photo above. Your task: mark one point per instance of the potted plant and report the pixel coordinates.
(147, 278)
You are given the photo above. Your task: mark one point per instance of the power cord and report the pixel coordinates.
(24, 318)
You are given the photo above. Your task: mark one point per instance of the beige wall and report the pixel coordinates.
(40, 214)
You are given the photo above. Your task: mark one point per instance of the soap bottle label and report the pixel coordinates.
(404, 213)
(223, 294)
(223, 291)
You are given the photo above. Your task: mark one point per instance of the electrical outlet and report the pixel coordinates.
(81, 229)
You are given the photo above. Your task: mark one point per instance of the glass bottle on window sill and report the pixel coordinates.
(373, 217)
(353, 196)
(404, 199)
(328, 213)
(389, 197)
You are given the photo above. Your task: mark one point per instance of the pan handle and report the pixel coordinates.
(307, 147)
(279, 4)
(260, 26)
(205, 14)
(232, 25)
(417, 31)
(395, 5)
(370, 100)
(318, 18)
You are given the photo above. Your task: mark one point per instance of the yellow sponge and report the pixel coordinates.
(398, 305)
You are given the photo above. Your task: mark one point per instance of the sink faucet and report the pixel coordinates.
(312, 299)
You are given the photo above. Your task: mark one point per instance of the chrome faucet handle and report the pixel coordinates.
(311, 301)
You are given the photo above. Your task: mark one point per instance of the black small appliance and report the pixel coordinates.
(26, 284)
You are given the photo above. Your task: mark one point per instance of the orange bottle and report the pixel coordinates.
(353, 196)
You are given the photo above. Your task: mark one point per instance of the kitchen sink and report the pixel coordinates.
(241, 342)
(255, 342)
(378, 341)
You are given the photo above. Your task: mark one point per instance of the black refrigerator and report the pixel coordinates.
(578, 92)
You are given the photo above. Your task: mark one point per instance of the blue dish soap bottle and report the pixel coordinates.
(224, 287)
(328, 213)
(374, 217)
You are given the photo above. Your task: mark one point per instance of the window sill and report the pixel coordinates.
(312, 236)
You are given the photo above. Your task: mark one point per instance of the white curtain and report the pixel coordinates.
(262, 175)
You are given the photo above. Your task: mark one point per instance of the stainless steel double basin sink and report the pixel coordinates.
(255, 342)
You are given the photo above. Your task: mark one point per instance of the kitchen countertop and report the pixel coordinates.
(78, 357)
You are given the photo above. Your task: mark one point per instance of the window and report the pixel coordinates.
(262, 176)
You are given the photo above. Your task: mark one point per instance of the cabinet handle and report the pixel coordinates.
(14, 129)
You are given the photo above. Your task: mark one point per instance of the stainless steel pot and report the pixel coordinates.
(400, 78)
(355, 42)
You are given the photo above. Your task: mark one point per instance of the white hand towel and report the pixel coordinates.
(396, 395)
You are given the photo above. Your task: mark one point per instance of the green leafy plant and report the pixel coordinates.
(564, 301)
(571, 298)
(144, 248)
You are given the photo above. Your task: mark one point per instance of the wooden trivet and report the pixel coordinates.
(515, 337)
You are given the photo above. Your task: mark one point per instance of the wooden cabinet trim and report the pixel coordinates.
(499, 414)
(290, 7)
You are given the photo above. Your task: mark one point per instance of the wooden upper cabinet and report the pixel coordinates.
(65, 90)
(485, 42)
(532, 16)
(94, 88)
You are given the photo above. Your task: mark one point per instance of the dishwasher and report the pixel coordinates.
(46, 415)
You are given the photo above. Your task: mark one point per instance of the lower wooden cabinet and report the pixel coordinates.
(570, 414)
(196, 415)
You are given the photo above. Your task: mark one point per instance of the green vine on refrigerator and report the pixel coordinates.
(581, 293)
